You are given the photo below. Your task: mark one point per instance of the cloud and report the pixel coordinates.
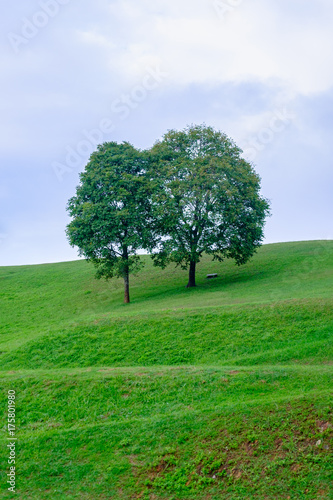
(258, 40)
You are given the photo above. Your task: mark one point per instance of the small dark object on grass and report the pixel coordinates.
(211, 276)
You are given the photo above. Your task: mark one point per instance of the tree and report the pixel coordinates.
(110, 211)
(208, 199)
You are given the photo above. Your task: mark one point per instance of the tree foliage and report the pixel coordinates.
(192, 193)
(110, 211)
(207, 200)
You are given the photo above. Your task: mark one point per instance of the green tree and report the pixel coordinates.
(110, 211)
(207, 201)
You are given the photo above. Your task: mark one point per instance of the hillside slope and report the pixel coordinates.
(223, 391)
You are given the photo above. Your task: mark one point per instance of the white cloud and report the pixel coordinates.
(256, 40)
(95, 38)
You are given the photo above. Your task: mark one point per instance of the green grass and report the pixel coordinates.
(223, 391)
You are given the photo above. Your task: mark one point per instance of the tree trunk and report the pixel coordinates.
(191, 274)
(126, 287)
(126, 275)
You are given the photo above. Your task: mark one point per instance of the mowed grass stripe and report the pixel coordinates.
(276, 333)
(74, 399)
(111, 371)
(159, 417)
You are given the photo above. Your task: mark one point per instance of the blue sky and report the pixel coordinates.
(76, 73)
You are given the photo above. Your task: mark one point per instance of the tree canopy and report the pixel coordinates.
(110, 211)
(207, 200)
(191, 193)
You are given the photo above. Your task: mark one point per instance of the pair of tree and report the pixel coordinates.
(191, 193)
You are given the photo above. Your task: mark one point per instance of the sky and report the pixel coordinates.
(76, 73)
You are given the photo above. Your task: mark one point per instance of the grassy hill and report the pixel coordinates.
(223, 391)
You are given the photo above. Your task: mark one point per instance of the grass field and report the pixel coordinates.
(219, 392)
